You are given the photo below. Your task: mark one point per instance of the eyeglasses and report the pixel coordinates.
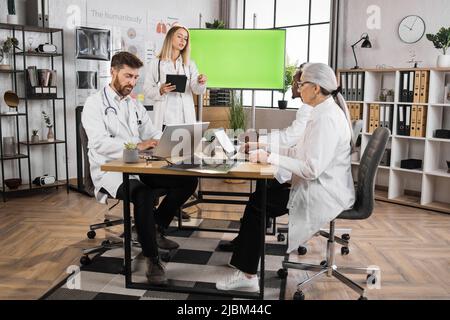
(301, 84)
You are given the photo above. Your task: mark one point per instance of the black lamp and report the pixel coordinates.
(365, 44)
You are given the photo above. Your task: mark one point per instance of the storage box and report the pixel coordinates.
(411, 164)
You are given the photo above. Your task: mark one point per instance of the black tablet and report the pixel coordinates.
(178, 80)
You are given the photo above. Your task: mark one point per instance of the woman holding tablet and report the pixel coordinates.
(171, 104)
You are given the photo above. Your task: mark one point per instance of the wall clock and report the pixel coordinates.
(411, 29)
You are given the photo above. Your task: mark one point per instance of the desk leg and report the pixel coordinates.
(127, 228)
(263, 237)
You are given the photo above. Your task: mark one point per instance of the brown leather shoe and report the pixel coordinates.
(155, 273)
(163, 242)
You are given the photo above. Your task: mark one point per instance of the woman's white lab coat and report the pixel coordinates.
(107, 132)
(322, 185)
(184, 102)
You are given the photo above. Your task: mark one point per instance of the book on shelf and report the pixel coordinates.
(424, 86)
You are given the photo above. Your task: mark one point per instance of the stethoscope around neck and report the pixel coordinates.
(111, 109)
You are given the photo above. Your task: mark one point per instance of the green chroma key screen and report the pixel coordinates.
(240, 59)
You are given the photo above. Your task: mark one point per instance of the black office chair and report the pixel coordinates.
(362, 209)
(106, 244)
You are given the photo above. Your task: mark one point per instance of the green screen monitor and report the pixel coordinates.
(239, 58)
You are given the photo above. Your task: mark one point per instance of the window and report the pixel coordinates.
(307, 24)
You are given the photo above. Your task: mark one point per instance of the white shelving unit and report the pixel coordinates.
(429, 187)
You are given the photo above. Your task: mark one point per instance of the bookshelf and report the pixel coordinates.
(23, 164)
(427, 187)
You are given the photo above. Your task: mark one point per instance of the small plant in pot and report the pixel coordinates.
(289, 73)
(390, 95)
(35, 136)
(6, 50)
(130, 153)
(441, 40)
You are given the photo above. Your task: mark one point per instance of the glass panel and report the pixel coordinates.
(320, 11)
(292, 12)
(262, 98)
(320, 43)
(297, 45)
(264, 14)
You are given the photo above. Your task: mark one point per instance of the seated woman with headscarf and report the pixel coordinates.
(322, 184)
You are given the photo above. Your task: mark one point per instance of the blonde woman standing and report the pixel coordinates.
(173, 107)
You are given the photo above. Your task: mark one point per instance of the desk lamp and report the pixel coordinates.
(365, 44)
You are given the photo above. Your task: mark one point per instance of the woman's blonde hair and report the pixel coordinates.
(166, 51)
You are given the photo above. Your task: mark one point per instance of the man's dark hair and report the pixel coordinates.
(125, 58)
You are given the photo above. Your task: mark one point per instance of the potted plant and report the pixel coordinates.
(5, 50)
(12, 18)
(289, 73)
(49, 125)
(390, 95)
(441, 40)
(35, 136)
(236, 116)
(130, 153)
(217, 24)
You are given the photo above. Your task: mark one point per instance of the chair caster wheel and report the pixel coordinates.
(345, 251)
(372, 278)
(91, 234)
(85, 260)
(282, 273)
(302, 251)
(323, 263)
(281, 237)
(106, 243)
(346, 237)
(299, 295)
(362, 298)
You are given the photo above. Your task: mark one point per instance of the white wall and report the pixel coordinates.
(66, 14)
(388, 49)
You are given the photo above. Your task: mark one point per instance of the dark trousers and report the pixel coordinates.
(178, 190)
(248, 247)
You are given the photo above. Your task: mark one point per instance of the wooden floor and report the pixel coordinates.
(42, 234)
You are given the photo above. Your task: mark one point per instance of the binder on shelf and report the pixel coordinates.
(354, 86)
(404, 82)
(407, 120)
(411, 86)
(358, 111)
(360, 96)
(416, 87)
(401, 121)
(424, 86)
(371, 118)
(343, 81)
(388, 117)
(382, 109)
(421, 120)
(412, 132)
(351, 109)
(34, 13)
(376, 117)
(45, 12)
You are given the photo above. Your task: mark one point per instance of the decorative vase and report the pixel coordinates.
(130, 156)
(389, 98)
(12, 19)
(35, 138)
(4, 62)
(443, 61)
(50, 135)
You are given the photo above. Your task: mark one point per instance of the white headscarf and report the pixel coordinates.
(322, 75)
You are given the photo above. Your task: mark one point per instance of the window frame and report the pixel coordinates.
(308, 25)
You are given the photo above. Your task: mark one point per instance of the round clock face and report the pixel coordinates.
(411, 29)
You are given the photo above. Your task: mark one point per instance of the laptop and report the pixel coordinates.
(180, 140)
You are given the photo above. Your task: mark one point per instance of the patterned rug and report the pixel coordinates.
(198, 263)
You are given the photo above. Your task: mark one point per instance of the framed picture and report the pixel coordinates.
(86, 80)
(93, 44)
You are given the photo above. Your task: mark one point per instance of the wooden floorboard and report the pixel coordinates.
(43, 233)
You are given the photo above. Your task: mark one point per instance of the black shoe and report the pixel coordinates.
(155, 272)
(228, 246)
(163, 242)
